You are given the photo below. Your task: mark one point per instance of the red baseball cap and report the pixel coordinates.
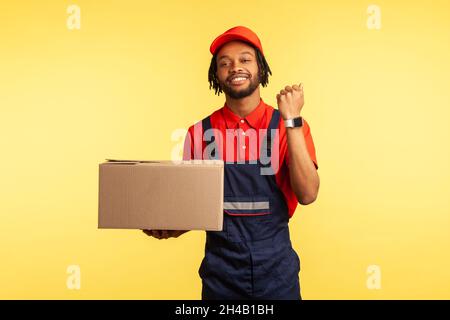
(237, 33)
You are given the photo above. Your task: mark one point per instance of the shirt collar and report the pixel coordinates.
(254, 118)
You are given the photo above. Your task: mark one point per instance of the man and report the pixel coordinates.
(252, 257)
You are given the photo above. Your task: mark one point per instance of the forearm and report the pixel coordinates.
(302, 172)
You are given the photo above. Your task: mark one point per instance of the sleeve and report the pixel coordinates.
(188, 151)
(309, 145)
(193, 142)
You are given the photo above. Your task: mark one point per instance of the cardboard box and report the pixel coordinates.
(164, 195)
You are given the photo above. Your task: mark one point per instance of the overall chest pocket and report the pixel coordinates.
(248, 218)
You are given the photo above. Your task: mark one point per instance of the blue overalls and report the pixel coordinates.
(252, 257)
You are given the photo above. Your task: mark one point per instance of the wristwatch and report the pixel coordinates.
(293, 123)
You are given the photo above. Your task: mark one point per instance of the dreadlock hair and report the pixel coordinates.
(263, 71)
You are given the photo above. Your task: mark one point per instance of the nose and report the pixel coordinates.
(236, 67)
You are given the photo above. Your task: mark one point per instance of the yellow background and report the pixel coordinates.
(377, 102)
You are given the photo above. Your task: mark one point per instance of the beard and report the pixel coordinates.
(239, 93)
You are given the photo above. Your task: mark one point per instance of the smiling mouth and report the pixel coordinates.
(238, 81)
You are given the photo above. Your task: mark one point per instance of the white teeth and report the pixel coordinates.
(238, 79)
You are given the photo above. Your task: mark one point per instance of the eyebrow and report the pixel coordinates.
(225, 56)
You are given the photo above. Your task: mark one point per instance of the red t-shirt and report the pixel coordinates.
(225, 120)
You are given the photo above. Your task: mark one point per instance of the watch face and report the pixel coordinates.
(298, 122)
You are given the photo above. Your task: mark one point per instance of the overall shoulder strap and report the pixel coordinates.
(275, 119)
(206, 123)
(267, 142)
(210, 143)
